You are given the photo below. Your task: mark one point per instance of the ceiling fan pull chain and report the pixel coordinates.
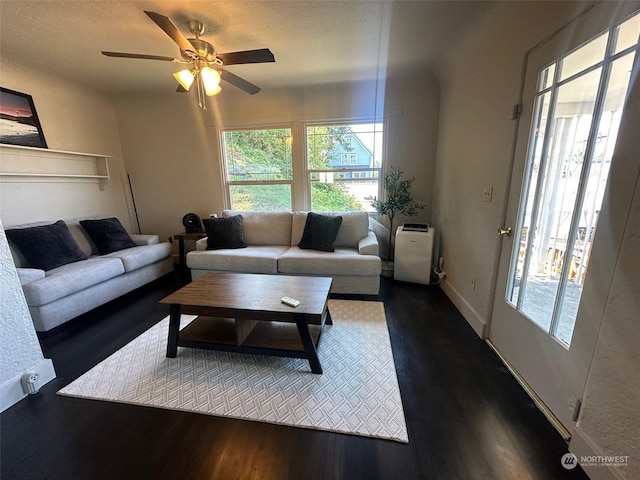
(202, 101)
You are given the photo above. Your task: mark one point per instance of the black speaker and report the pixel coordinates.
(192, 223)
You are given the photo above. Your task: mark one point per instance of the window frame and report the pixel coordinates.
(228, 184)
(342, 170)
(300, 184)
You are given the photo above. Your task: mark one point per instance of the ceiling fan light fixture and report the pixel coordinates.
(206, 64)
(185, 78)
(211, 81)
(212, 92)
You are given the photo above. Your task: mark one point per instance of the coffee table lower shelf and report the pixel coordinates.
(282, 339)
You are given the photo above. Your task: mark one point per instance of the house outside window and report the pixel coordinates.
(348, 142)
(344, 162)
(337, 170)
(348, 159)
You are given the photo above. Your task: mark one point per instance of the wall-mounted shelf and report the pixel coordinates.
(23, 164)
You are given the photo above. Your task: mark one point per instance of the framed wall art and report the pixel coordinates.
(19, 124)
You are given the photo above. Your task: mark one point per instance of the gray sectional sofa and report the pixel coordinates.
(272, 240)
(59, 294)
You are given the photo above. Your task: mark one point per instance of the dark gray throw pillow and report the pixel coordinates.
(320, 232)
(108, 234)
(46, 246)
(224, 232)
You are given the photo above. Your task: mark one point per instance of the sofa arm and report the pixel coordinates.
(201, 245)
(28, 275)
(144, 239)
(369, 245)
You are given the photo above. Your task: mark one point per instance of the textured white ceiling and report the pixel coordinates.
(313, 41)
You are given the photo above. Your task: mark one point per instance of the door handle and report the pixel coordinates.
(503, 231)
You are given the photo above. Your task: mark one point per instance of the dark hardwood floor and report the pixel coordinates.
(467, 417)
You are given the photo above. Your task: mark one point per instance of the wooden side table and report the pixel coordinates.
(181, 237)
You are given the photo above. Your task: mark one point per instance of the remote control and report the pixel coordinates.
(290, 301)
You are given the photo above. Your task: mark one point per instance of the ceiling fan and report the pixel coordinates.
(204, 64)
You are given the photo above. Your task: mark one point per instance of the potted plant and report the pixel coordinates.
(399, 201)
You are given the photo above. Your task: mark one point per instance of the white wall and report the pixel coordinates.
(73, 119)
(171, 150)
(609, 420)
(20, 350)
(480, 84)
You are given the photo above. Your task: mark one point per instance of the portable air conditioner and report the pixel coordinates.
(412, 260)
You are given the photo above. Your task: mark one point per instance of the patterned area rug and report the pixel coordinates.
(357, 393)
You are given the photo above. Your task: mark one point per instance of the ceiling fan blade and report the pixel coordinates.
(241, 83)
(138, 55)
(170, 29)
(261, 55)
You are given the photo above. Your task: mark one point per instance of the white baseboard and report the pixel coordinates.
(11, 391)
(471, 316)
(582, 446)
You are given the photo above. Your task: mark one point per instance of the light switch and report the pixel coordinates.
(488, 194)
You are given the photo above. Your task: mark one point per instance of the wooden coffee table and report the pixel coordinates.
(242, 312)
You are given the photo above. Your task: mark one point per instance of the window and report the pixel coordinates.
(340, 169)
(348, 142)
(343, 164)
(259, 168)
(578, 109)
(348, 159)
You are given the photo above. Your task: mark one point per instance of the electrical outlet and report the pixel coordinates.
(30, 382)
(473, 284)
(487, 194)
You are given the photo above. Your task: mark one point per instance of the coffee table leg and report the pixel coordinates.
(307, 343)
(174, 328)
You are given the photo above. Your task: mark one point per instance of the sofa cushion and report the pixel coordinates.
(253, 259)
(265, 228)
(144, 239)
(355, 225)
(82, 238)
(107, 234)
(141, 256)
(369, 245)
(71, 278)
(320, 232)
(46, 246)
(28, 275)
(225, 232)
(343, 261)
